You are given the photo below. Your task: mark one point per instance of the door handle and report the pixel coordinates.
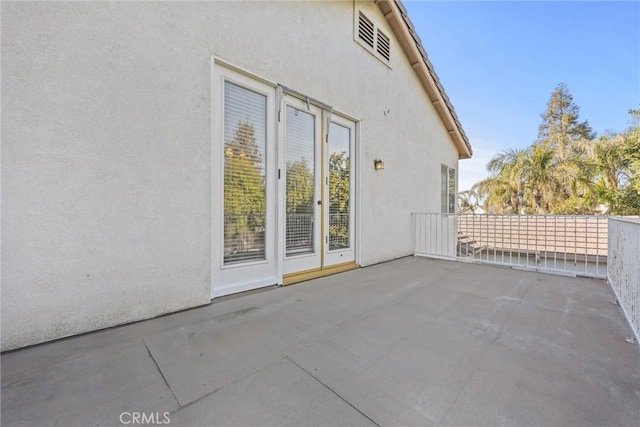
(319, 202)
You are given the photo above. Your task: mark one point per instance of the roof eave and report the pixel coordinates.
(401, 25)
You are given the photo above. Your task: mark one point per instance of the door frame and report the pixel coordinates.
(340, 256)
(275, 245)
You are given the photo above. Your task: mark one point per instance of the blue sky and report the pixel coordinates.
(500, 61)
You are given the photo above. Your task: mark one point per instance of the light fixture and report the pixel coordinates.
(378, 164)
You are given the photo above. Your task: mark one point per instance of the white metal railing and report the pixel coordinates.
(299, 234)
(567, 244)
(435, 235)
(338, 230)
(244, 237)
(623, 268)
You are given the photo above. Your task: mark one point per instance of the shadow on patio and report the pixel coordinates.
(408, 342)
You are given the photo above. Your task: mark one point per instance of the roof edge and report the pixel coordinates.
(398, 18)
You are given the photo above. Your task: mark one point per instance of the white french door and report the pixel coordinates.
(244, 184)
(339, 213)
(318, 180)
(301, 185)
(282, 184)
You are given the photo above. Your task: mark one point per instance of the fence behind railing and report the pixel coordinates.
(623, 269)
(568, 244)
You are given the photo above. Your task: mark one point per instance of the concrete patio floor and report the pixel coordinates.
(408, 342)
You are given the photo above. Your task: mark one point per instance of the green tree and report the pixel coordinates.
(632, 148)
(610, 162)
(540, 178)
(560, 125)
(521, 181)
(300, 186)
(627, 201)
(502, 191)
(339, 199)
(468, 200)
(569, 139)
(566, 170)
(338, 182)
(244, 188)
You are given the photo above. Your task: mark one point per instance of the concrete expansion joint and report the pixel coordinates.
(181, 406)
(446, 413)
(212, 392)
(186, 405)
(332, 391)
(155, 362)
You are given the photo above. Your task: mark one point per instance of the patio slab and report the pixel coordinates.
(408, 342)
(84, 388)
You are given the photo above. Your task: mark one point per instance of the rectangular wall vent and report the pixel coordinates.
(368, 35)
(383, 47)
(365, 29)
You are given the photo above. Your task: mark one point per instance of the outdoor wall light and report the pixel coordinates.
(378, 165)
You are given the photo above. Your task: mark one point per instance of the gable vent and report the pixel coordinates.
(365, 29)
(383, 46)
(367, 33)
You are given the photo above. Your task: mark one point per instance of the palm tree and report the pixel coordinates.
(520, 181)
(502, 191)
(610, 163)
(539, 172)
(468, 200)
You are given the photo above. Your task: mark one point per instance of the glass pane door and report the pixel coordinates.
(339, 193)
(301, 187)
(300, 182)
(244, 190)
(339, 187)
(244, 174)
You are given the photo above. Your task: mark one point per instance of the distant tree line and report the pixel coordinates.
(567, 170)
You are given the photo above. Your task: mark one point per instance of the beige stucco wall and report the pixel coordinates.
(106, 214)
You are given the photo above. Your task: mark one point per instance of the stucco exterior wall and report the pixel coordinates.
(106, 178)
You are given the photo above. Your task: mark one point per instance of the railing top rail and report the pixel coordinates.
(628, 219)
(524, 215)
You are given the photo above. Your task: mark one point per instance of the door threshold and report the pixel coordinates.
(301, 276)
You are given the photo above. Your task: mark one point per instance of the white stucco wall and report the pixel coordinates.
(106, 214)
